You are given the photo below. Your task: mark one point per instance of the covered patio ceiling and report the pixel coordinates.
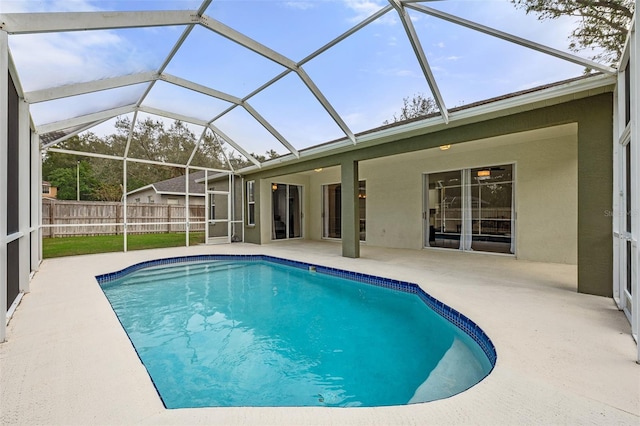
(284, 77)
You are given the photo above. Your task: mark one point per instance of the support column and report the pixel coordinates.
(350, 217)
(4, 143)
(24, 180)
(36, 201)
(124, 204)
(186, 206)
(595, 195)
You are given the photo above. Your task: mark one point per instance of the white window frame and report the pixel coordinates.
(251, 202)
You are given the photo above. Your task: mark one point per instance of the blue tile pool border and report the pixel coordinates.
(453, 316)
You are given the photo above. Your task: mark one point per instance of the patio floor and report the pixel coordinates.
(563, 357)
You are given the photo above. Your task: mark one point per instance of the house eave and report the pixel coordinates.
(481, 111)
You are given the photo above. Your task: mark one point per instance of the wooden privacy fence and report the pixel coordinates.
(107, 218)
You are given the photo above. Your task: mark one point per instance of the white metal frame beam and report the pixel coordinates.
(36, 201)
(24, 200)
(85, 119)
(422, 58)
(132, 160)
(78, 21)
(76, 89)
(132, 126)
(4, 146)
(513, 39)
(195, 149)
(231, 142)
(326, 105)
(224, 154)
(49, 94)
(347, 33)
(247, 42)
(270, 128)
(174, 50)
(205, 90)
(14, 75)
(173, 115)
(634, 53)
(75, 132)
(35, 23)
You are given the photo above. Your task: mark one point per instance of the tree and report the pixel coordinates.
(66, 180)
(210, 153)
(603, 23)
(150, 140)
(417, 106)
(238, 162)
(101, 179)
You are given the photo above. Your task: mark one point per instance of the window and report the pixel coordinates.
(627, 93)
(172, 201)
(251, 203)
(150, 198)
(471, 209)
(45, 189)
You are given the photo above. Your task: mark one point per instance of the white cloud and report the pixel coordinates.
(357, 120)
(397, 72)
(366, 8)
(60, 109)
(57, 59)
(22, 6)
(300, 4)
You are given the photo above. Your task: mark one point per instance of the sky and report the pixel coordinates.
(364, 77)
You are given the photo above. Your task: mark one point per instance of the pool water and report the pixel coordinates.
(257, 333)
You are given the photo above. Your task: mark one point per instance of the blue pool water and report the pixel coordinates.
(257, 333)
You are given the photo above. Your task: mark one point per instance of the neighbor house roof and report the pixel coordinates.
(177, 185)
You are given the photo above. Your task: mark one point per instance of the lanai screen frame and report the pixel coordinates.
(627, 133)
(38, 23)
(34, 23)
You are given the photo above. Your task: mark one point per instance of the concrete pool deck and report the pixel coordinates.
(563, 357)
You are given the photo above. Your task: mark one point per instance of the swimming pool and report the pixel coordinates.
(262, 331)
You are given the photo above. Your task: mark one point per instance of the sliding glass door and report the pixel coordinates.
(444, 209)
(470, 209)
(332, 210)
(286, 201)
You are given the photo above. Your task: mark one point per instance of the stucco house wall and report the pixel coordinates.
(546, 191)
(552, 143)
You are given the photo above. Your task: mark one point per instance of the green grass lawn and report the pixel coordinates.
(73, 246)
